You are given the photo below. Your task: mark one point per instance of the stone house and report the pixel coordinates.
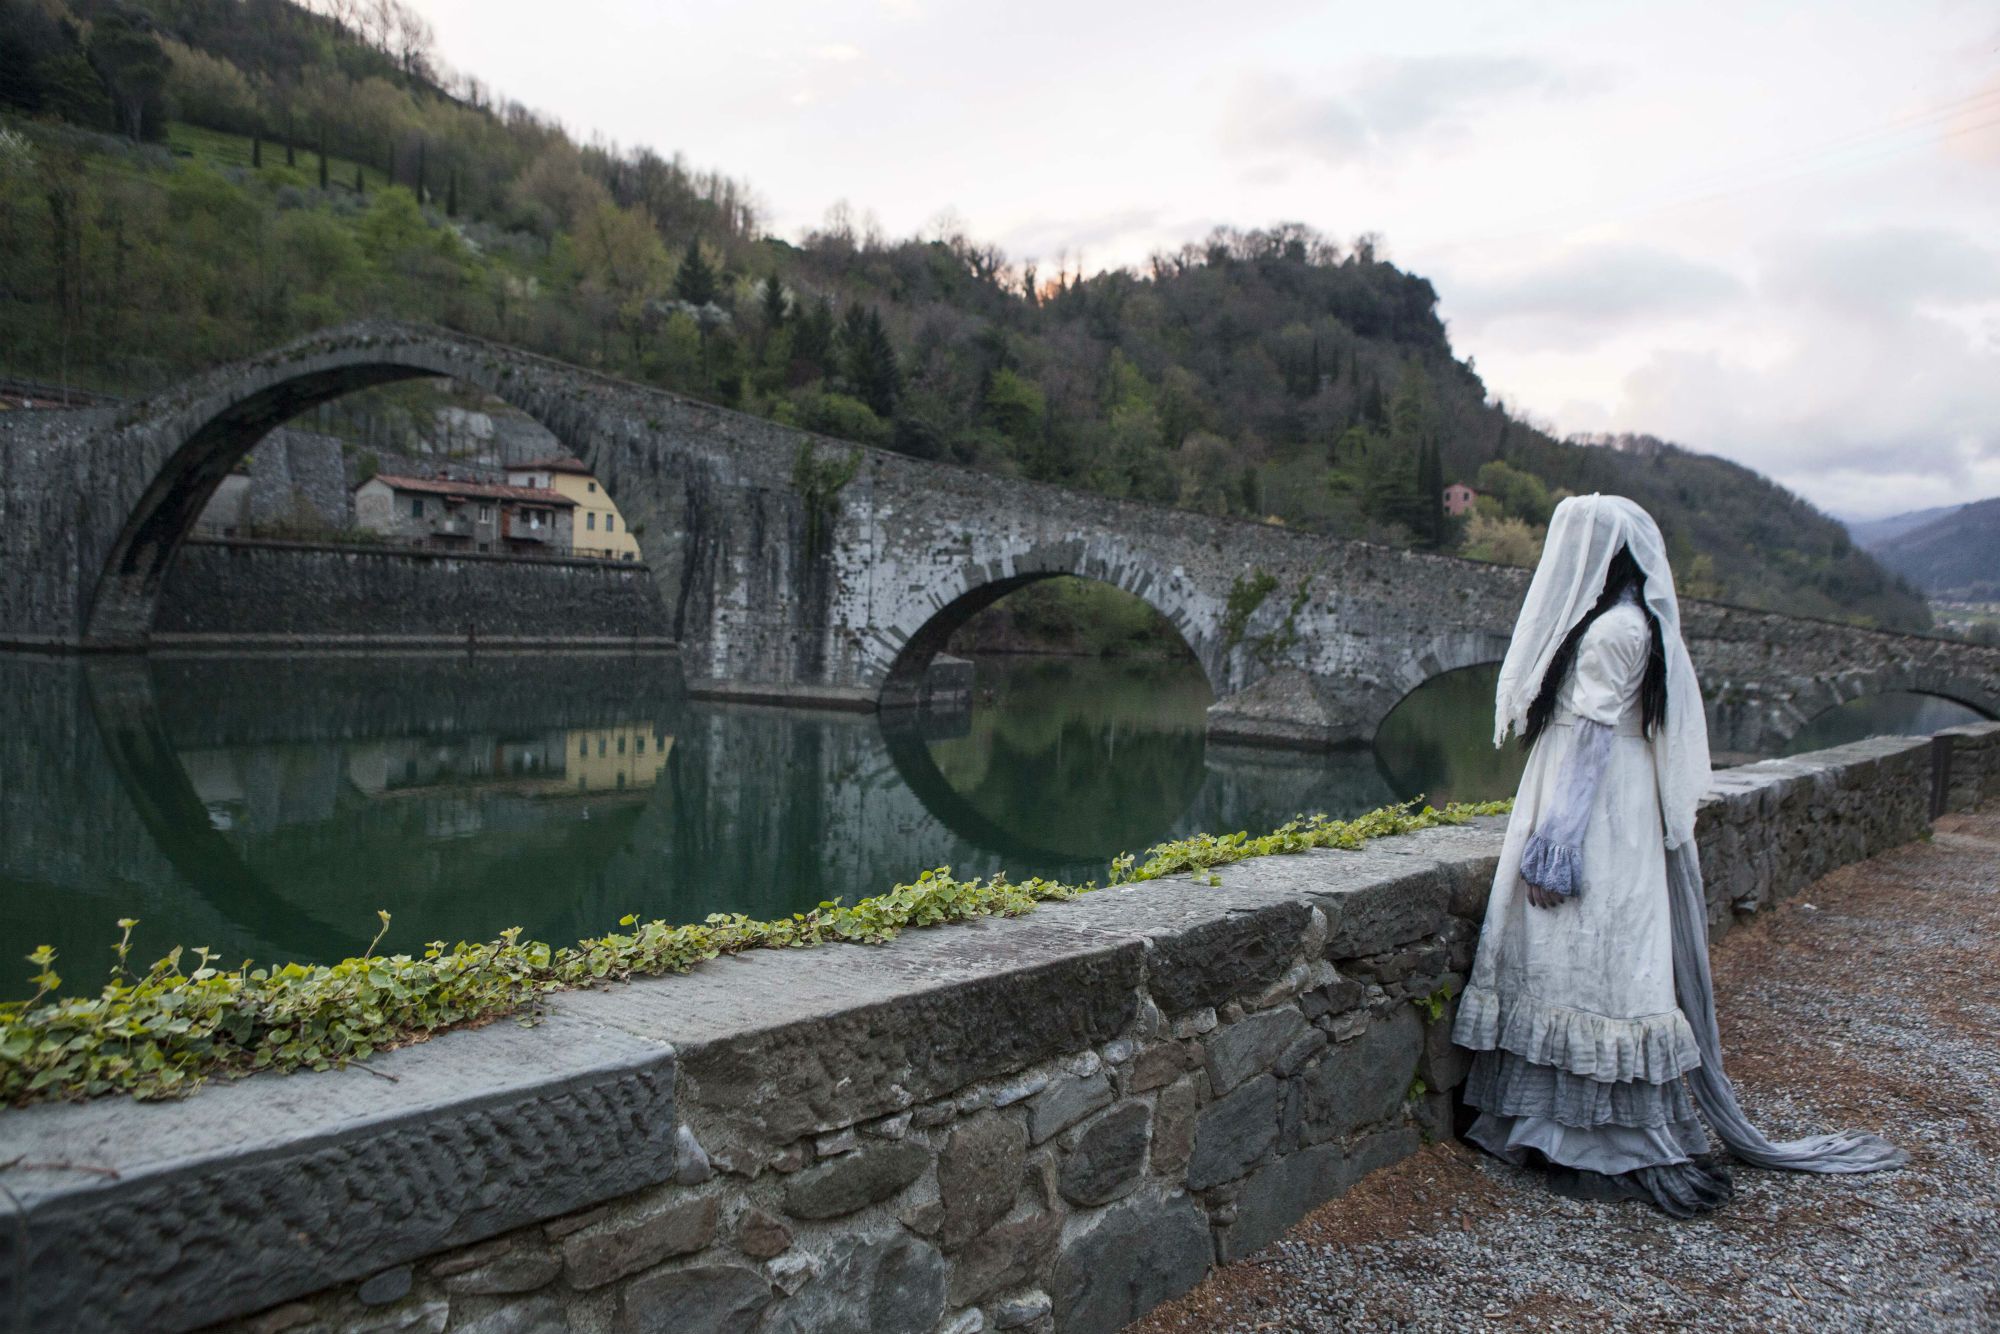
(441, 513)
(1458, 498)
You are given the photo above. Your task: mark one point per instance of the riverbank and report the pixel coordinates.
(1866, 1001)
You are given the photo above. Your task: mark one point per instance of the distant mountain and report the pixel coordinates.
(1957, 554)
(1870, 533)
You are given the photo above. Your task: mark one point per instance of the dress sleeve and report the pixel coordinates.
(1553, 857)
(1610, 663)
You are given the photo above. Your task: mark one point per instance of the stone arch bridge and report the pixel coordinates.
(805, 568)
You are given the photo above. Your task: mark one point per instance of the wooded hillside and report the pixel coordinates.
(184, 181)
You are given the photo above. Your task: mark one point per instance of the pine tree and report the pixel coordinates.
(871, 360)
(773, 308)
(812, 339)
(1372, 409)
(694, 282)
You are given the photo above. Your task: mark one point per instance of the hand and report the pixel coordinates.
(1543, 898)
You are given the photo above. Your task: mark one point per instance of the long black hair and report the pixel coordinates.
(1623, 574)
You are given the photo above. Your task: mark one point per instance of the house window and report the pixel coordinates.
(610, 522)
(583, 749)
(640, 745)
(416, 507)
(592, 486)
(486, 514)
(621, 745)
(590, 522)
(600, 748)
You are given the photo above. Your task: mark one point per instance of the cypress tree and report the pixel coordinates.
(291, 152)
(256, 152)
(421, 146)
(451, 195)
(774, 304)
(694, 281)
(322, 157)
(360, 185)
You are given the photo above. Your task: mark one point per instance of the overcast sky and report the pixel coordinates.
(1768, 231)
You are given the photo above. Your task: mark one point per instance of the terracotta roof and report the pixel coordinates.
(433, 486)
(553, 463)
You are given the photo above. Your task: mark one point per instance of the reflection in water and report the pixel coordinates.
(268, 807)
(1439, 741)
(1891, 713)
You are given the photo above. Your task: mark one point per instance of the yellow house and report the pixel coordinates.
(599, 759)
(600, 529)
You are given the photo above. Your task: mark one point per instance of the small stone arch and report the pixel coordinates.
(1765, 719)
(194, 435)
(928, 622)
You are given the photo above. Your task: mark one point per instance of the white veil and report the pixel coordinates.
(1584, 534)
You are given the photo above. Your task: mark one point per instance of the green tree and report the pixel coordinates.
(870, 360)
(1016, 406)
(694, 281)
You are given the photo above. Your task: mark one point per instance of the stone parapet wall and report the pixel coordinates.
(1049, 1123)
(322, 593)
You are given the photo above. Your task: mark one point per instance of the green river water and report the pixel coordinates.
(267, 807)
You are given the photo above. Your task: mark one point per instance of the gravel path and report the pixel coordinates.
(1871, 1000)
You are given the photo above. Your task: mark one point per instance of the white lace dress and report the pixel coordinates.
(1571, 1009)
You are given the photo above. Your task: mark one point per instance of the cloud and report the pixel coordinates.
(1882, 273)
(1871, 398)
(840, 53)
(1387, 104)
(1588, 292)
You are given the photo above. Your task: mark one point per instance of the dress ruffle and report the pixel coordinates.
(1653, 1047)
(1504, 1083)
(1556, 867)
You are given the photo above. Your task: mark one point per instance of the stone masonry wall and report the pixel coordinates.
(243, 587)
(1049, 1123)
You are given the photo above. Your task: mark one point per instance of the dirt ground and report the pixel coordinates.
(1871, 1000)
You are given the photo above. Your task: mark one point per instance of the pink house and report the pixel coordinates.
(1458, 499)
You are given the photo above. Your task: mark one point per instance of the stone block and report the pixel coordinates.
(1131, 1257)
(1159, 1065)
(1279, 1194)
(1302, 1050)
(702, 1299)
(882, 1284)
(523, 1271)
(1361, 1082)
(609, 1253)
(1234, 1133)
(1250, 1047)
(1444, 1064)
(1025, 1309)
(1207, 963)
(1384, 1148)
(1173, 1126)
(854, 1180)
(421, 1318)
(1109, 1157)
(1379, 915)
(979, 1175)
(1005, 1256)
(760, 1235)
(391, 1285)
(537, 1315)
(1065, 1102)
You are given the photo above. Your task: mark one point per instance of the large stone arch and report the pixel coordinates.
(188, 440)
(1761, 717)
(925, 622)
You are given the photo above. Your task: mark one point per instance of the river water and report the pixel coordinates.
(268, 807)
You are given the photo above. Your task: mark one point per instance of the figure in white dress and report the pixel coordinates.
(1590, 1008)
